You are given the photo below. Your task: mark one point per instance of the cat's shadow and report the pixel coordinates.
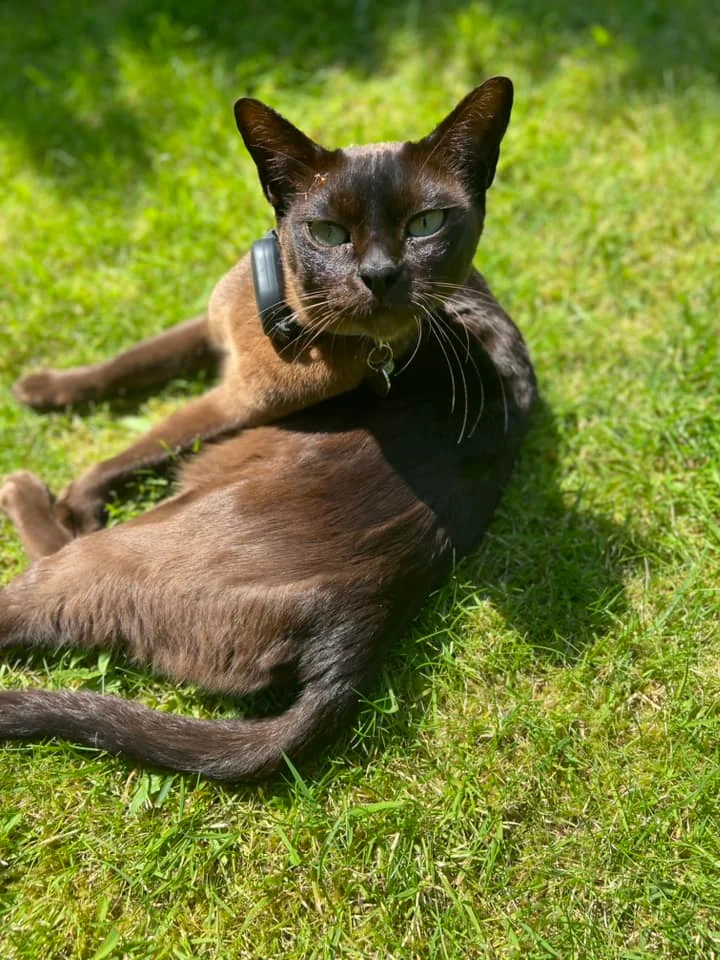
(553, 566)
(553, 569)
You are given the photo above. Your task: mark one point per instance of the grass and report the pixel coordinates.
(537, 775)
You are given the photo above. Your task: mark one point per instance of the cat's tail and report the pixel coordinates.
(230, 750)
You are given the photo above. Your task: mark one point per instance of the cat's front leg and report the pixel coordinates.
(81, 505)
(182, 349)
(53, 389)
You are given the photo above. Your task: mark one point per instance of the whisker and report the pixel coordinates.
(445, 333)
(417, 347)
(460, 286)
(309, 332)
(472, 293)
(486, 298)
(505, 404)
(472, 297)
(450, 328)
(431, 323)
(319, 329)
(450, 344)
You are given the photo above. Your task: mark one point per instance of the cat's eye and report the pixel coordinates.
(427, 223)
(327, 233)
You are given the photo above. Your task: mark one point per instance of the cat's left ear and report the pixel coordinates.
(286, 159)
(468, 140)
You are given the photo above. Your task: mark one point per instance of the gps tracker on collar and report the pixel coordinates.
(276, 316)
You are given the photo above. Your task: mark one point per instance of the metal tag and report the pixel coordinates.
(381, 361)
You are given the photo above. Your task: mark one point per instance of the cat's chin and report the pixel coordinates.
(382, 326)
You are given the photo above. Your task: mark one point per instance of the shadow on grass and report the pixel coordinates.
(65, 92)
(553, 568)
(553, 571)
(669, 43)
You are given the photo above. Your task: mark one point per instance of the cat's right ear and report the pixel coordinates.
(468, 140)
(286, 159)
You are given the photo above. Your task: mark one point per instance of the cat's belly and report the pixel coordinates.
(279, 506)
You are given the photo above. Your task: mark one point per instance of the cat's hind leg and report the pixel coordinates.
(29, 505)
(157, 588)
(152, 588)
(183, 349)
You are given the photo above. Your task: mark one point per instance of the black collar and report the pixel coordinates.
(277, 317)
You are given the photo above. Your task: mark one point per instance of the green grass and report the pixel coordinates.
(537, 775)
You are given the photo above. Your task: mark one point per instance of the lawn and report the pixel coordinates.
(537, 774)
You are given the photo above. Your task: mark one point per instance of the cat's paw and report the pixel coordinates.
(22, 490)
(52, 389)
(80, 508)
(42, 390)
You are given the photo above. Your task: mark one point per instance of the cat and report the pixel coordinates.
(330, 495)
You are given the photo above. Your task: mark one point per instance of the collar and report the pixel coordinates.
(277, 317)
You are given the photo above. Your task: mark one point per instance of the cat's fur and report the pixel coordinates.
(301, 541)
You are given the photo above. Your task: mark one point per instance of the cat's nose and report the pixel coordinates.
(379, 274)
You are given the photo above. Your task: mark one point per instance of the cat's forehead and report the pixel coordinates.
(373, 152)
(377, 170)
(381, 178)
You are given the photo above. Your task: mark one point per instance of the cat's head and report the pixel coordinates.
(374, 235)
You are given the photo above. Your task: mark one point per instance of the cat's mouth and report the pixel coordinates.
(382, 324)
(388, 318)
(370, 317)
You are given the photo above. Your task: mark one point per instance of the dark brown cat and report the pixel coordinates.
(304, 538)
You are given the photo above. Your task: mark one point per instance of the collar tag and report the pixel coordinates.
(382, 362)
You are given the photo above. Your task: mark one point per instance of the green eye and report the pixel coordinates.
(426, 223)
(327, 233)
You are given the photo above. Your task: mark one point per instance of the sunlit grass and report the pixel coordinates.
(536, 774)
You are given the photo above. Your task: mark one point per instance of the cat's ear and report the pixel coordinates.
(468, 140)
(286, 159)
